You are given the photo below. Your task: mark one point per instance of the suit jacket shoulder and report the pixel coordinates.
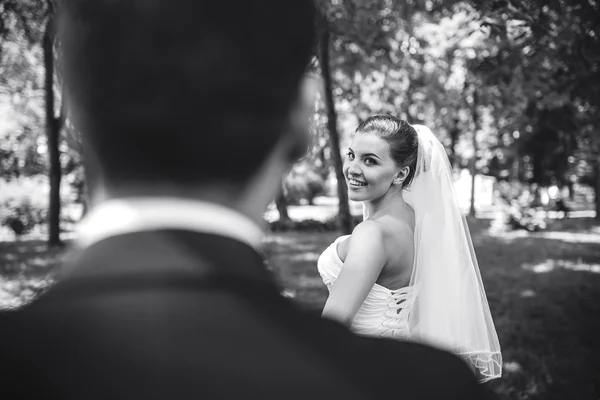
(157, 322)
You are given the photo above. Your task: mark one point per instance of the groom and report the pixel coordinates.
(192, 111)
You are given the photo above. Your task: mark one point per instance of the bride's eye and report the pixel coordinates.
(350, 155)
(370, 161)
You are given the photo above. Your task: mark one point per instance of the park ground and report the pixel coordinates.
(543, 290)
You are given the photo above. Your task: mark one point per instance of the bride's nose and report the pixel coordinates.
(353, 169)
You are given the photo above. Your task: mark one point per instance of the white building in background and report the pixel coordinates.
(484, 190)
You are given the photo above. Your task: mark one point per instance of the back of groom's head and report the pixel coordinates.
(183, 90)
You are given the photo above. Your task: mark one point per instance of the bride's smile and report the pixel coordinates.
(355, 182)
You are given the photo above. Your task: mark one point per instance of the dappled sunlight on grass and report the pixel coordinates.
(527, 293)
(511, 367)
(551, 265)
(580, 225)
(289, 293)
(309, 282)
(44, 261)
(278, 240)
(17, 292)
(582, 230)
(571, 237)
(28, 248)
(10, 257)
(28, 268)
(308, 256)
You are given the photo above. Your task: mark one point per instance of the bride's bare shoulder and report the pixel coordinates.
(397, 234)
(368, 234)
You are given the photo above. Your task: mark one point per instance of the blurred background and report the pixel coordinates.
(512, 89)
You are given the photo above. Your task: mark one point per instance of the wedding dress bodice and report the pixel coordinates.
(384, 312)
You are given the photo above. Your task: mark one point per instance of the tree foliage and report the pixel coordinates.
(31, 24)
(528, 71)
(551, 50)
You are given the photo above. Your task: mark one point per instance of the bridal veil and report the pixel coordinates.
(450, 310)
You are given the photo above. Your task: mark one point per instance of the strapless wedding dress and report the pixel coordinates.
(384, 312)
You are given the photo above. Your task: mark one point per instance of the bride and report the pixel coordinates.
(408, 271)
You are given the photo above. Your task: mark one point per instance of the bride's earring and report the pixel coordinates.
(398, 181)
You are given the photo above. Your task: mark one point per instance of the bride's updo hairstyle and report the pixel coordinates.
(401, 137)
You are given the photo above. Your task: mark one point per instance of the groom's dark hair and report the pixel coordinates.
(183, 90)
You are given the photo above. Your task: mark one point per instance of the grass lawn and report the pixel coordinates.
(543, 289)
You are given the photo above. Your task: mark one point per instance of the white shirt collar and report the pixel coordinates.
(120, 216)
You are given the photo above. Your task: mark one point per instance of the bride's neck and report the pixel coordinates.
(390, 203)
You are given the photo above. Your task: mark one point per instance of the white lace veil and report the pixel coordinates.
(450, 310)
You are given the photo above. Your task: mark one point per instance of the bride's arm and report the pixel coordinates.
(364, 262)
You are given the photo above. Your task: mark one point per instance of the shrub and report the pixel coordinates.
(21, 216)
(24, 202)
(310, 225)
(302, 184)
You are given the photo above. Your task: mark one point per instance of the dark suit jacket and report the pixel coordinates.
(176, 314)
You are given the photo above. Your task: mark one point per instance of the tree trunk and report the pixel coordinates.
(84, 203)
(472, 210)
(475, 115)
(571, 187)
(407, 103)
(334, 139)
(597, 188)
(281, 204)
(454, 133)
(53, 125)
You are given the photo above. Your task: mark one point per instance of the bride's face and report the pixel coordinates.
(369, 168)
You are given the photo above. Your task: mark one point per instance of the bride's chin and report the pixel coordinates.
(352, 196)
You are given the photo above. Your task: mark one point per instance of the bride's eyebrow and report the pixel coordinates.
(371, 155)
(366, 154)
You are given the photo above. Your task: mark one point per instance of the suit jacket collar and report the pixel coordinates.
(127, 215)
(165, 258)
